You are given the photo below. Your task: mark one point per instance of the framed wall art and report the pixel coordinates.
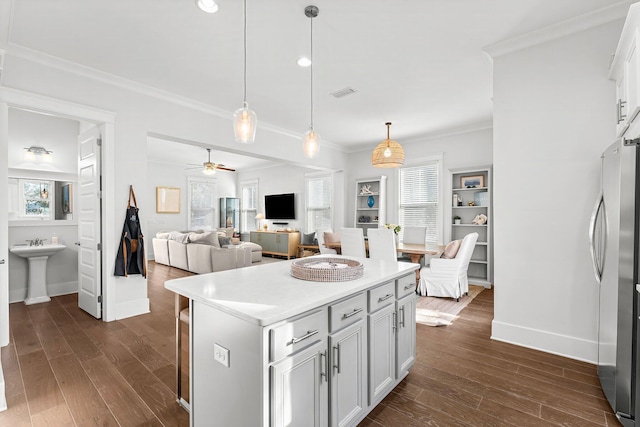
(167, 200)
(472, 181)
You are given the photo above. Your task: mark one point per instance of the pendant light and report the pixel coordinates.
(311, 145)
(245, 120)
(388, 154)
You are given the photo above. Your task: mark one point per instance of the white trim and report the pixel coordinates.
(560, 29)
(132, 308)
(548, 342)
(111, 79)
(34, 102)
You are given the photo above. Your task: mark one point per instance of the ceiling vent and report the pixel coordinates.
(343, 92)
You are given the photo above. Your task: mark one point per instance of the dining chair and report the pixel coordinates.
(448, 277)
(382, 244)
(352, 242)
(320, 237)
(413, 234)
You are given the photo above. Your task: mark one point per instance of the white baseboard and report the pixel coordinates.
(549, 342)
(53, 290)
(132, 308)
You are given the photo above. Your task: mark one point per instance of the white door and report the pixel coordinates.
(89, 229)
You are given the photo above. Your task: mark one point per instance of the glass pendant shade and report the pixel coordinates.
(311, 145)
(244, 125)
(388, 154)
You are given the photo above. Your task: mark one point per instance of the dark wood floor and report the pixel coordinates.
(64, 368)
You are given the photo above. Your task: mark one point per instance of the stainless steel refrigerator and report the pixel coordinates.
(614, 250)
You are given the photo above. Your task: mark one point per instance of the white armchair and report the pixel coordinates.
(448, 277)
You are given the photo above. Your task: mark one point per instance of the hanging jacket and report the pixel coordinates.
(130, 258)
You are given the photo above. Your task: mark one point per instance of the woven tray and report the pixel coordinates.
(326, 269)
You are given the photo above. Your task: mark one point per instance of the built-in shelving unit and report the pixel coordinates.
(471, 195)
(371, 203)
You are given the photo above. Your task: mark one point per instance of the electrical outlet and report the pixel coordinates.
(221, 354)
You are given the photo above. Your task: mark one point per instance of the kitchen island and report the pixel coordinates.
(268, 349)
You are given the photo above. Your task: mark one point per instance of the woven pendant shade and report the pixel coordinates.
(388, 154)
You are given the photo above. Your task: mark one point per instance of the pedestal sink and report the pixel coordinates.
(37, 257)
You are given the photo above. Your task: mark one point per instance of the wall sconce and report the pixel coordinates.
(34, 151)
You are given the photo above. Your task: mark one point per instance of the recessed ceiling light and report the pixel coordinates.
(208, 6)
(304, 61)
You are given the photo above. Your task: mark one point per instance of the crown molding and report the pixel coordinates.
(561, 29)
(460, 130)
(31, 55)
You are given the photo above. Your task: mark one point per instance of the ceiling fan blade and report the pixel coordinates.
(224, 169)
(197, 167)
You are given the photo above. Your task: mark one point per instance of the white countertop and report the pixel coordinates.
(265, 294)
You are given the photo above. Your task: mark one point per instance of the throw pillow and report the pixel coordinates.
(451, 249)
(163, 234)
(331, 237)
(224, 241)
(179, 237)
(206, 238)
(307, 239)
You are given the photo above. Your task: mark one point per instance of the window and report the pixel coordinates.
(201, 204)
(420, 199)
(34, 198)
(318, 201)
(248, 205)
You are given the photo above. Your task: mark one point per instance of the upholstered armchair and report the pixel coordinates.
(448, 277)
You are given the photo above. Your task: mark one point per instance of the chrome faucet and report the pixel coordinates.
(36, 242)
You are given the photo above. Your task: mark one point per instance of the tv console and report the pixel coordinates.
(277, 242)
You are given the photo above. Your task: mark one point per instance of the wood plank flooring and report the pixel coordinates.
(64, 368)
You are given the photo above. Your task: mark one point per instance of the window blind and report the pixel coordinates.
(318, 202)
(248, 206)
(419, 199)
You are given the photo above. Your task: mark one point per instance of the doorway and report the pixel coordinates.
(11, 98)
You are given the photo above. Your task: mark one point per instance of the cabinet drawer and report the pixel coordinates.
(347, 312)
(405, 285)
(297, 334)
(381, 296)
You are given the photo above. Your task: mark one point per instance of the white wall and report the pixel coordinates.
(278, 180)
(140, 111)
(468, 149)
(60, 136)
(174, 175)
(553, 116)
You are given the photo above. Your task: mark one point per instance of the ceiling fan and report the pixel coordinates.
(208, 167)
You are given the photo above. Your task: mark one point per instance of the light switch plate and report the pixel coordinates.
(221, 354)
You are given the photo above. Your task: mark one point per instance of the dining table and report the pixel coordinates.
(416, 251)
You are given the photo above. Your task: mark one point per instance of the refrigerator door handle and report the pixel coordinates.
(596, 258)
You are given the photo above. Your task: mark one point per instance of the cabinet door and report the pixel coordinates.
(382, 351)
(282, 243)
(299, 389)
(347, 366)
(406, 334)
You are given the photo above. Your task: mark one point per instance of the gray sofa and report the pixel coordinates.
(201, 252)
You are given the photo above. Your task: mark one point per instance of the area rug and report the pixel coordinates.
(433, 311)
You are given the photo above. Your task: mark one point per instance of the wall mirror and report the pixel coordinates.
(33, 199)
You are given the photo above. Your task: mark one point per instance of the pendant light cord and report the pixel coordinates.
(245, 52)
(311, 85)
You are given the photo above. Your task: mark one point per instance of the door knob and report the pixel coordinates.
(1, 261)
(77, 243)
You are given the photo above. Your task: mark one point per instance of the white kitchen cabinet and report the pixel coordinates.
(299, 389)
(271, 350)
(348, 374)
(624, 70)
(405, 334)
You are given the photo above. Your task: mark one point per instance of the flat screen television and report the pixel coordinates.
(280, 206)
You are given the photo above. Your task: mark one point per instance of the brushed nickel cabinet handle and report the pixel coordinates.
(384, 298)
(304, 337)
(353, 313)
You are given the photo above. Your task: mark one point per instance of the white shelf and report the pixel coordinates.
(378, 186)
(481, 265)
